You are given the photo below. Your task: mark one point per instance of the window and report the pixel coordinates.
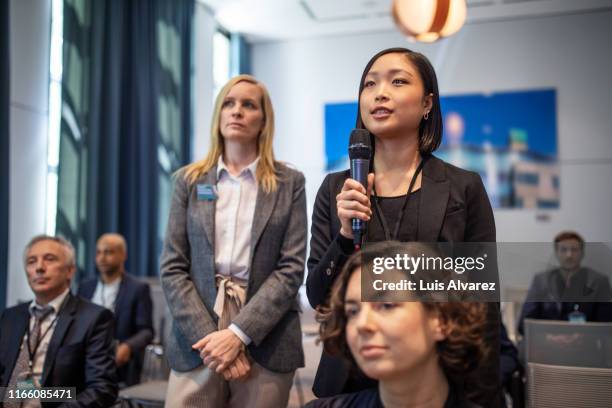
(171, 149)
(55, 112)
(221, 60)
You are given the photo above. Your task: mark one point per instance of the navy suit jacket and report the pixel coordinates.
(80, 352)
(133, 321)
(548, 298)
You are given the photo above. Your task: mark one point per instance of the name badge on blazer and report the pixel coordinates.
(206, 192)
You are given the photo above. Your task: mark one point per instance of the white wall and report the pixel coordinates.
(569, 53)
(29, 29)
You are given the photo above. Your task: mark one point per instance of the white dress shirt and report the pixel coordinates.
(233, 219)
(235, 208)
(105, 294)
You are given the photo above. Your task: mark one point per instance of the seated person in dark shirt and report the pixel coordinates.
(129, 299)
(420, 352)
(570, 290)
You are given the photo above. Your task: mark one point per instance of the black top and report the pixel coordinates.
(371, 399)
(391, 208)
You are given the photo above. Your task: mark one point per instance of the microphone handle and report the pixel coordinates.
(359, 172)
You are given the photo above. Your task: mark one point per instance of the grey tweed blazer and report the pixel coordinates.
(278, 249)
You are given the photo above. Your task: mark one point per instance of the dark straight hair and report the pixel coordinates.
(430, 130)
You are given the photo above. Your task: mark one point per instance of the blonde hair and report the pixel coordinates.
(266, 171)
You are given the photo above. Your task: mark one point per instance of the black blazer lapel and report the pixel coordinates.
(121, 299)
(64, 321)
(206, 208)
(435, 191)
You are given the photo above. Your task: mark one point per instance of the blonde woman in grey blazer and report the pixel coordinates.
(233, 261)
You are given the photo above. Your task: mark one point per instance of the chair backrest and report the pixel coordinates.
(155, 366)
(552, 386)
(568, 364)
(565, 343)
(160, 311)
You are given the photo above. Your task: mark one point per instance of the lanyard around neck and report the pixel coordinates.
(32, 352)
(380, 215)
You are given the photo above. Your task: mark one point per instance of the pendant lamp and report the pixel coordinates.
(429, 20)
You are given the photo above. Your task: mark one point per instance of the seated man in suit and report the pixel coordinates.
(129, 299)
(569, 291)
(57, 340)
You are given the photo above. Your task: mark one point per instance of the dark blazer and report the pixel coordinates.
(133, 321)
(278, 250)
(454, 207)
(80, 352)
(548, 299)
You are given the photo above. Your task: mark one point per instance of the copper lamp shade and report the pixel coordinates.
(429, 20)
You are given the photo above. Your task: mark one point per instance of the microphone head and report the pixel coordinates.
(360, 145)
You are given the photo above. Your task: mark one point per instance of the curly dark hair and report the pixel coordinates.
(465, 345)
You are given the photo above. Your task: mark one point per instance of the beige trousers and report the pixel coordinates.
(203, 387)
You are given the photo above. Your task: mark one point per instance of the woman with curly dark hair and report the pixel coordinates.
(420, 352)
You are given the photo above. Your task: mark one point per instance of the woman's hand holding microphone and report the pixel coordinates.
(354, 202)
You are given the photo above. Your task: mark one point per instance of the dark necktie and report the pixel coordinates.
(40, 313)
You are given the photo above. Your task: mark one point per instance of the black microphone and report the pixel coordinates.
(360, 154)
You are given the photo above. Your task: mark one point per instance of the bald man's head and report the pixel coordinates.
(111, 253)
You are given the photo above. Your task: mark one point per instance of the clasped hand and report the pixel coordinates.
(223, 352)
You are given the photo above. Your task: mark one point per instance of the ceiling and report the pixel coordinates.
(277, 20)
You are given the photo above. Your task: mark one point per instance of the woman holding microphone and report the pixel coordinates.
(411, 195)
(233, 261)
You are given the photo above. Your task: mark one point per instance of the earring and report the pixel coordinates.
(426, 116)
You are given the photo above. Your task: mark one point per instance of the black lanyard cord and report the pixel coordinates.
(381, 217)
(32, 353)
